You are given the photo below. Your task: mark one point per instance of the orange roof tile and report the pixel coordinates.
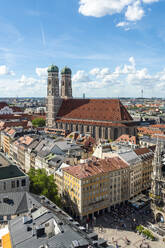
(95, 167)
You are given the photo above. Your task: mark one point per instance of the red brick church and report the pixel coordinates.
(103, 118)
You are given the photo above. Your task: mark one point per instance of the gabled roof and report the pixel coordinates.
(130, 157)
(94, 109)
(10, 171)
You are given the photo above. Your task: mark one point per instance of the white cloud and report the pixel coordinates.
(122, 24)
(23, 87)
(124, 78)
(99, 8)
(30, 81)
(99, 73)
(42, 72)
(133, 9)
(80, 76)
(134, 12)
(4, 70)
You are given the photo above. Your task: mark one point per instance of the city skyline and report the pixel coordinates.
(114, 48)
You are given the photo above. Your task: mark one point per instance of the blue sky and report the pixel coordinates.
(114, 47)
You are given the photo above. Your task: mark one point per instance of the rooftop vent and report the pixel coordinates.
(44, 246)
(40, 231)
(29, 228)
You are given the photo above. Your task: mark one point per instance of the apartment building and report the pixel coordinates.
(13, 179)
(59, 175)
(95, 186)
(18, 148)
(7, 136)
(146, 155)
(135, 165)
(30, 154)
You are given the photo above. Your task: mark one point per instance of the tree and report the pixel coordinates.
(38, 122)
(42, 184)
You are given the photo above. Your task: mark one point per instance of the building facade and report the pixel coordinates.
(96, 186)
(158, 185)
(12, 179)
(103, 118)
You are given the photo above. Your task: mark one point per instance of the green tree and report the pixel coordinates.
(38, 122)
(42, 184)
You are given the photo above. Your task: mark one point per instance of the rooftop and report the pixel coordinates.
(94, 109)
(10, 171)
(141, 151)
(95, 167)
(13, 203)
(49, 227)
(130, 157)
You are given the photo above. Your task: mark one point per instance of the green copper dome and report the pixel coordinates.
(53, 68)
(66, 70)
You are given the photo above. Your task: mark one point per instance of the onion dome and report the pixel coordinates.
(66, 70)
(53, 68)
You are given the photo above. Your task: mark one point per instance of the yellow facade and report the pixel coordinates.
(85, 194)
(147, 169)
(6, 242)
(72, 187)
(6, 144)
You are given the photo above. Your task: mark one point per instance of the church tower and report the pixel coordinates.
(157, 186)
(66, 83)
(157, 162)
(53, 98)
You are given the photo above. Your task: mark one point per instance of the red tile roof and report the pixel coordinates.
(127, 138)
(141, 151)
(14, 108)
(93, 109)
(3, 104)
(95, 167)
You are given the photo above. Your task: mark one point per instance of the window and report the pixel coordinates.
(17, 183)
(13, 184)
(4, 186)
(23, 182)
(1, 217)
